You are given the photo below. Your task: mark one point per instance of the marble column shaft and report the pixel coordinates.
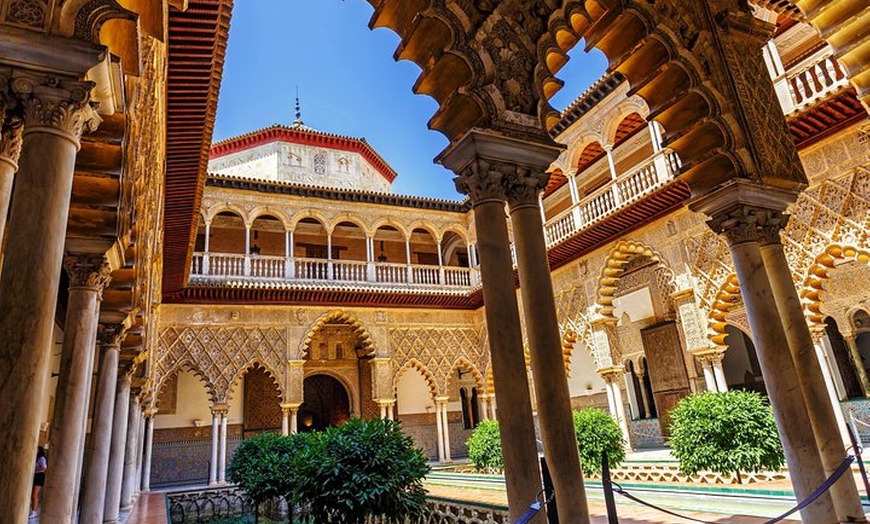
(545, 349)
(783, 386)
(709, 377)
(516, 425)
(215, 446)
(857, 361)
(128, 489)
(94, 491)
(844, 492)
(148, 448)
(445, 428)
(55, 113)
(88, 277)
(719, 373)
(439, 432)
(222, 454)
(115, 471)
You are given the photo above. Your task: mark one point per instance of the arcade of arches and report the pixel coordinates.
(697, 219)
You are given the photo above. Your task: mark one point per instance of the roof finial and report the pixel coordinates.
(298, 121)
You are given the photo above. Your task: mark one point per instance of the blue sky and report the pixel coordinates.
(348, 83)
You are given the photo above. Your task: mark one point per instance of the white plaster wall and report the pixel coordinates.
(638, 304)
(412, 394)
(193, 404)
(582, 378)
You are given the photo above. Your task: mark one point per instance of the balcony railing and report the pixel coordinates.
(623, 191)
(808, 84)
(227, 266)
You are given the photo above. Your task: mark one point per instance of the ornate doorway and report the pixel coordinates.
(326, 404)
(666, 369)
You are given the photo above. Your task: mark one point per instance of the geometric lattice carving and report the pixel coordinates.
(435, 351)
(220, 354)
(573, 321)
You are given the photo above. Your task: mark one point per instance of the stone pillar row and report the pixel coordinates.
(497, 171)
(751, 218)
(47, 113)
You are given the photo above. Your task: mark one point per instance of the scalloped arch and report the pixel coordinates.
(817, 274)
(337, 316)
(415, 364)
(467, 364)
(185, 364)
(251, 364)
(614, 267)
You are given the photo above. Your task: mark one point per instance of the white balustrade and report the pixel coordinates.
(390, 273)
(426, 275)
(312, 269)
(625, 190)
(457, 276)
(267, 267)
(226, 265)
(349, 270)
(810, 83)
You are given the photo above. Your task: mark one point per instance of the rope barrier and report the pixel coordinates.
(834, 477)
(535, 507)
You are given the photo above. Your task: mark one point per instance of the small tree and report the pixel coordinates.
(362, 468)
(484, 447)
(725, 432)
(258, 468)
(597, 432)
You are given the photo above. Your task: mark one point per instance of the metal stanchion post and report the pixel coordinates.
(552, 511)
(607, 485)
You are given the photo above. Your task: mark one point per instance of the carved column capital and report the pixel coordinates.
(739, 224)
(88, 271)
(483, 181)
(770, 226)
(612, 375)
(524, 189)
(110, 336)
(11, 138)
(55, 104)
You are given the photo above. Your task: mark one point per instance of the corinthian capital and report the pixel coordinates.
(484, 181)
(60, 104)
(769, 227)
(525, 187)
(739, 225)
(11, 140)
(88, 271)
(111, 335)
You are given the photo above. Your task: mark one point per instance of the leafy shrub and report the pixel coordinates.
(594, 428)
(484, 447)
(362, 468)
(257, 467)
(725, 432)
(596, 432)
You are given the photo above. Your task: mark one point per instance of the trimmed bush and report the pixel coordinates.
(258, 468)
(725, 432)
(362, 468)
(484, 447)
(596, 432)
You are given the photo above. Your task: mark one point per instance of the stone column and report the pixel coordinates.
(285, 419)
(140, 448)
(439, 431)
(733, 215)
(88, 277)
(10, 149)
(56, 111)
(483, 406)
(115, 472)
(215, 447)
(709, 377)
(294, 425)
(128, 489)
(445, 428)
(719, 371)
(545, 341)
(391, 405)
(644, 395)
(149, 445)
(96, 473)
(222, 454)
(383, 407)
(860, 370)
(844, 493)
(611, 379)
(482, 179)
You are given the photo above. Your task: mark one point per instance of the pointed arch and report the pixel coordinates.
(614, 266)
(337, 316)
